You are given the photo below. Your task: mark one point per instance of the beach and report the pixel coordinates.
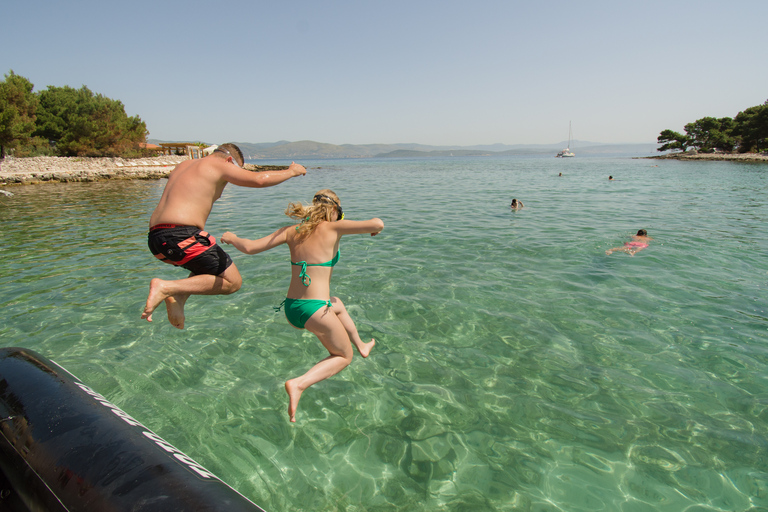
(43, 169)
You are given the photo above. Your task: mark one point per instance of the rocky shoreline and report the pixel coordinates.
(735, 157)
(51, 169)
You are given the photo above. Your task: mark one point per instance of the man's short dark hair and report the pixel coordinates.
(233, 151)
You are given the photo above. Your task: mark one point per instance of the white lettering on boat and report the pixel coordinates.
(159, 441)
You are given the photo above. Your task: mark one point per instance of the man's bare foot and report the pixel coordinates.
(155, 297)
(175, 309)
(366, 348)
(294, 394)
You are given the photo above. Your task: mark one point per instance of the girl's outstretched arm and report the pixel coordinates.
(256, 246)
(358, 227)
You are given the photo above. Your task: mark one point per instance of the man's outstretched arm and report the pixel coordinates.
(243, 178)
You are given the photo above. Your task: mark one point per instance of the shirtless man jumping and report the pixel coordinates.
(176, 228)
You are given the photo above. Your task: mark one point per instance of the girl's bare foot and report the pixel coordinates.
(155, 297)
(294, 394)
(366, 348)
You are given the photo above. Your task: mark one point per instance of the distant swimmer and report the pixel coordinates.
(177, 228)
(314, 245)
(516, 205)
(638, 243)
(560, 174)
(610, 178)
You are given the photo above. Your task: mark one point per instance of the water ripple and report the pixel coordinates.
(518, 367)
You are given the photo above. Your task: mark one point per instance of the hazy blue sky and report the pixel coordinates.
(431, 72)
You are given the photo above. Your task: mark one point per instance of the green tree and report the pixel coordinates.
(81, 123)
(751, 128)
(708, 134)
(17, 112)
(673, 140)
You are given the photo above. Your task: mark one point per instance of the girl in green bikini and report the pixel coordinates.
(314, 245)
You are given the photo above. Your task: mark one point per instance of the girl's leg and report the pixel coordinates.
(333, 336)
(349, 326)
(625, 249)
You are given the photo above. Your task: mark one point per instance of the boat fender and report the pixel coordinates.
(66, 448)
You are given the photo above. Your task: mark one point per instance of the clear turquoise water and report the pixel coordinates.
(518, 367)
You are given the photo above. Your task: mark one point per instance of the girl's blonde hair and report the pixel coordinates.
(323, 205)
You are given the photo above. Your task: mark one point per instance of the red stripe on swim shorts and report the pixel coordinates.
(192, 248)
(166, 226)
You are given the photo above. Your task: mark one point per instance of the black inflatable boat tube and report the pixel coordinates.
(64, 447)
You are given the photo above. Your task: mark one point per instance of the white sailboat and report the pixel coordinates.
(567, 151)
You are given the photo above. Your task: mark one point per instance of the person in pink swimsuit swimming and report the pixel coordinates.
(638, 243)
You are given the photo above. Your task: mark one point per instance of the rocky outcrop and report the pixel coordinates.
(63, 169)
(736, 157)
(41, 169)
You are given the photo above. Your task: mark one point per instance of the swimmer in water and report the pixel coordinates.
(638, 243)
(516, 205)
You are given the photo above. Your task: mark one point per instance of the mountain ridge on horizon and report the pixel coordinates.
(311, 149)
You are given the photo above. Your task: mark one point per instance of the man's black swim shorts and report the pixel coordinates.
(188, 247)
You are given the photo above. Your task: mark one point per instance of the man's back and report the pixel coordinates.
(192, 188)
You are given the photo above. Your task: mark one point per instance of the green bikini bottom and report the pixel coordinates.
(298, 311)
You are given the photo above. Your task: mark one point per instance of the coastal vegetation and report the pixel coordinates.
(64, 121)
(746, 133)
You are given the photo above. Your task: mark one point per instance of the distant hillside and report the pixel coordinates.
(307, 149)
(410, 153)
(310, 149)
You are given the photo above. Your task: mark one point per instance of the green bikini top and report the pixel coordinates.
(305, 279)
